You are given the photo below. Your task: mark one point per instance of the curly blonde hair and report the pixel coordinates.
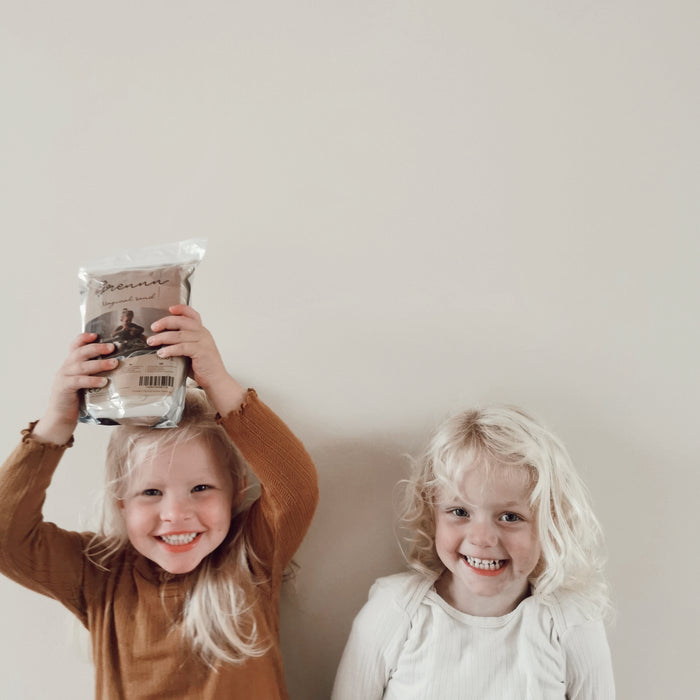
(500, 437)
(218, 615)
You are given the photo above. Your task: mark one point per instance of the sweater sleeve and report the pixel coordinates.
(373, 648)
(589, 672)
(37, 554)
(288, 480)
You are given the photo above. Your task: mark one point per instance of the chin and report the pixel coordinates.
(178, 569)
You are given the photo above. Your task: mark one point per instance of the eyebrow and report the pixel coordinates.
(517, 503)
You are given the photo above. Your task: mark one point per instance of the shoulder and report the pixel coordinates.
(403, 591)
(584, 643)
(580, 633)
(378, 634)
(558, 617)
(391, 605)
(568, 611)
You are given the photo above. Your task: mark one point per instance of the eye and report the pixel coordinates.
(201, 487)
(459, 512)
(152, 492)
(510, 518)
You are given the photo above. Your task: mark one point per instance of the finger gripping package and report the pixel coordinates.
(120, 297)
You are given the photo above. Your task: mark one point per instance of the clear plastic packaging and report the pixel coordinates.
(121, 296)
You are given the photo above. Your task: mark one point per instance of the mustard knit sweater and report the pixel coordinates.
(129, 610)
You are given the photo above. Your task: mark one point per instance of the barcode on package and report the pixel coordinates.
(159, 380)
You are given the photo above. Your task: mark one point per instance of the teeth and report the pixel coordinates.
(179, 539)
(490, 564)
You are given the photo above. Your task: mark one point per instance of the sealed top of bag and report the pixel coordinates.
(177, 253)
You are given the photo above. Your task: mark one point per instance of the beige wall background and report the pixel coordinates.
(410, 207)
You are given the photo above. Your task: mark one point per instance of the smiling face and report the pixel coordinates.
(487, 539)
(178, 504)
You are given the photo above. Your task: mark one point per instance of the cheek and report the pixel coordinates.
(136, 520)
(530, 553)
(222, 521)
(227, 514)
(221, 512)
(445, 536)
(535, 556)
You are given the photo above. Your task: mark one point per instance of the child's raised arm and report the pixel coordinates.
(182, 334)
(36, 554)
(285, 470)
(77, 373)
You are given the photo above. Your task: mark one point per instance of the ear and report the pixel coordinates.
(120, 503)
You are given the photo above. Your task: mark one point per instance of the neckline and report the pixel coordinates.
(153, 573)
(481, 621)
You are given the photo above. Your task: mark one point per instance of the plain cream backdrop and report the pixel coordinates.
(411, 207)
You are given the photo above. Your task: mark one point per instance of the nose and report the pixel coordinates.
(482, 533)
(175, 508)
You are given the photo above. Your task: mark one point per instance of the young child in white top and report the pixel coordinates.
(506, 596)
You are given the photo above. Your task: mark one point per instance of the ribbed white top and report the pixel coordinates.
(407, 643)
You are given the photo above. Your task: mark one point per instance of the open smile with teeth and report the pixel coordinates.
(485, 564)
(184, 538)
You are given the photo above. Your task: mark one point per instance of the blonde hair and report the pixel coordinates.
(506, 437)
(218, 615)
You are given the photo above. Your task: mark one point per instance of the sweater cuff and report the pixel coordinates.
(28, 436)
(250, 396)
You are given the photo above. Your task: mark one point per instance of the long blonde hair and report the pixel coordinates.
(218, 615)
(506, 437)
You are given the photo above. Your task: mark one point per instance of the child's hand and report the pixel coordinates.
(182, 335)
(78, 372)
